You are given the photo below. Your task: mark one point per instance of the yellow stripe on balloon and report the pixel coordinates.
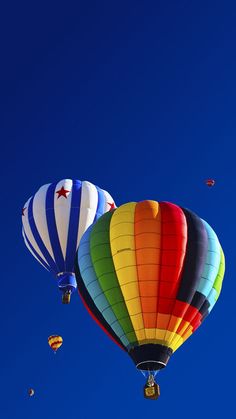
(123, 253)
(150, 334)
(187, 332)
(166, 337)
(170, 324)
(162, 340)
(184, 327)
(177, 342)
(176, 339)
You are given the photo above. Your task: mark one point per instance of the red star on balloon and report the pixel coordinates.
(23, 211)
(62, 192)
(112, 206)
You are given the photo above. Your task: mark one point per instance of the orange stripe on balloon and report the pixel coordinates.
(147, 230)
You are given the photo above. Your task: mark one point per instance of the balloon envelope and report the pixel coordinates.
(55, 342)
(150, 273)
(210, 182)
(31, 392)
(55, 218)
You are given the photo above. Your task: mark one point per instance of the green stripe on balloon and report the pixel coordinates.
(106, 274)
(219, 279)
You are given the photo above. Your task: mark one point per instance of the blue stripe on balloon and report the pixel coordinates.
(38, 239)
(212, 299)
(52, 228)
(212, 262)
(73, 226)
(94, 289)
(36, 254)
(100, 205)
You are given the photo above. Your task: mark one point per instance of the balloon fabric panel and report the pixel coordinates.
(89, 205)
(39, 214)
(173, 252)
(216, 289)
(200, 303)
(51, 224)
(34, 253)
(101, 204)
(219, 279)
(195, 257)
(41, 246)
(98, 319)
(100, 250)
(209, 273)
(148, 253)
(122, 239)
(212, 262)
(91, 304)
(94, 289)
(159, 256)
(73, 226)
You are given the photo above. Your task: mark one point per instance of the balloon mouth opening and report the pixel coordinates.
(150, 356)
(150, 365)
(67, 284)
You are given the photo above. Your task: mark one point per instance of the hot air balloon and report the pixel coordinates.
(54, 220)
(150, 273)
(210, 182)
(55, 342)
(31, 392)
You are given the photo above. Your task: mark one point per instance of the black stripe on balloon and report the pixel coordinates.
(196, 252)
(198, 300)
(91, 305)
(205, 315)
(204, 310)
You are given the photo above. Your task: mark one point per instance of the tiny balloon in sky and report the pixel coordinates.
(31, 392)
(210, 182)
(55, 342)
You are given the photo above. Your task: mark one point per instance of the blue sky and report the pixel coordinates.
(139, 98)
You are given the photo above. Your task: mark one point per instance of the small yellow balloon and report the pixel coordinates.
(55, 342)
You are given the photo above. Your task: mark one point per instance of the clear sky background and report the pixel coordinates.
(137, 97)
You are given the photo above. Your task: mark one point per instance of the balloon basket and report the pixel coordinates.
(66, 298)
(151, 392)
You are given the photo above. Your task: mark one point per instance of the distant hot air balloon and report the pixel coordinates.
(54, 220)
(210, 182)
(150, 273)
(31, 392)
(55, 342)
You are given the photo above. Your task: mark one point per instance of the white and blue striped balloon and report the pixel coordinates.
(54, 220)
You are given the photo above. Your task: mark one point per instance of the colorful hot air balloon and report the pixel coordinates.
(55, 218)
(31, 392)
(150, 273)
(55, 342)
(210, 182)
